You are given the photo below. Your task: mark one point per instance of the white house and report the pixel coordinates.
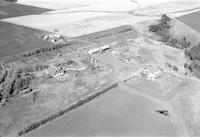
(152, 72)
(56, 35)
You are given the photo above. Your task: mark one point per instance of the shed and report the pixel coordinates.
(103, 48)
(95, 50)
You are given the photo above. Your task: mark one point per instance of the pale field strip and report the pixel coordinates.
(78, 17)
(176, 7)
(40, 21)
(58, 4)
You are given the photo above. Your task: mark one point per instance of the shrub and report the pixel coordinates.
(175, 68)
(186, 65)
(154, 28)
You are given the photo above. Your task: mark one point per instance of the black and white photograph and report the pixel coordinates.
(99, 68)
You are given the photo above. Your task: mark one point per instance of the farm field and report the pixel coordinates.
(15, 39)
(10, 9)
(192, 20)
(167, 7)
(119, 112)
(181, 28)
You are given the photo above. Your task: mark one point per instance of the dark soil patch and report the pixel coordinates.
(11, 9)
(15, 39)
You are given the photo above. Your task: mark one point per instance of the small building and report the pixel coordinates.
(130, 40)
(151, 72)
(104, 48)
(57, 36)
(53, 40)
(95, 50)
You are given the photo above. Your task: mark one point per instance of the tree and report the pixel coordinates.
(165, 18)
(175, 68)
(154, 28)
(186, 65)
(3, 75)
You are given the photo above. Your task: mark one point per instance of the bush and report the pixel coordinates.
(186, 65)
(165, 18)
(154, 28)
(175, 68)
(169, 65)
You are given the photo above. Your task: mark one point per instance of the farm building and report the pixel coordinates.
(56, 36)
(104, 48)
(151, 72)
(95, 50)
(101, 49)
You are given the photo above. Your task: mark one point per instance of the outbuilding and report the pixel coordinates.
(95, 50)
(104, 48)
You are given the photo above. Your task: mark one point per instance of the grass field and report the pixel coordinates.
(10, 9)
(192, 20)
(15, 39)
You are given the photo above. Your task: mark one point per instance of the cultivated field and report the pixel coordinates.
(186, 106)
(181, 29)
(82, 23)
(192, 20)
(10, 9)
(16, 39)
(167, 7)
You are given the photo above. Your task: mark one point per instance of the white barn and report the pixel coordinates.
(95, 50)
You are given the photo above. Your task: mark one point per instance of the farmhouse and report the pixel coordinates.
(56, 36)
(151, 72)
